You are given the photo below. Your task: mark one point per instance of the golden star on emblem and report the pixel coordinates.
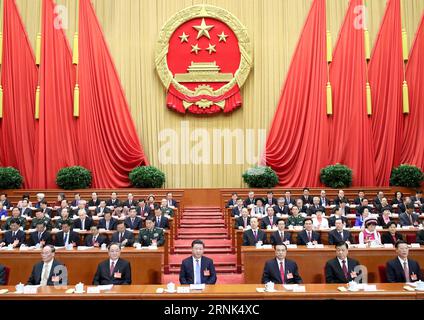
(203, 29)
(195, 48)
(222, 37)
(211, 48)
(184, 37)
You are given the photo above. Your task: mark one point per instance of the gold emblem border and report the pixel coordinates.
(203, 11)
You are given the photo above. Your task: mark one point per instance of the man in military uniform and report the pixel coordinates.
(16, 214)
(64, 216)
(295, 219)
(165, 209)
(41, 218)
(151, 234)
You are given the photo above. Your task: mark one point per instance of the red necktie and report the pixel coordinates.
(344, 268)
(282, 272)
(255, 234)
(112, 267)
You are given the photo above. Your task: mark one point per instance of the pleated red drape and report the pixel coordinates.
(55, 144)
(351, 140)
(412, 147)
(297, 143)
(107, 138)
(19, 80)
(386, 78)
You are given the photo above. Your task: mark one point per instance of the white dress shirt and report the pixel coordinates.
(46, 271)
(194, 270)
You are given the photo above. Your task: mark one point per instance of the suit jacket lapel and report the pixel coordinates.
(277, 269)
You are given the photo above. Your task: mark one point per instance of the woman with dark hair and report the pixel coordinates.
(397, 202)
(25, 196)
(391, 236)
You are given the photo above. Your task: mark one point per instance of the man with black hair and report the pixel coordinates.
(114, 270)
(123, 236)
(409, 217)
(40, 235)
(67, 236)
(15, 215)
(403, 269)
(197, 269)
(14, 236)
(281, 270)
(341, 269)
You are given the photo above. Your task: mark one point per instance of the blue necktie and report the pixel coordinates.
(66, 239)
(197, 272)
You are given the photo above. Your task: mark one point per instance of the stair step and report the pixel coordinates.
(202, 226)
(207, 250)
(201, 221)
(208, 231)
(201, 237)
(209, 243)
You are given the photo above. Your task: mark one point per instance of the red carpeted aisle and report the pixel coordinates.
(208, 225)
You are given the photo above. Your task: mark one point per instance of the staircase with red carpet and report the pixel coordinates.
(206, 224)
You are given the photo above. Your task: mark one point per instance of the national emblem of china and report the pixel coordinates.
(203, 57)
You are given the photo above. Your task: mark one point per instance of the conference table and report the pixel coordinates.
(393, 291)
(237, 238)
(146, 264)
(311, 261)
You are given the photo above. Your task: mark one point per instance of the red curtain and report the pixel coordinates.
(19, 80)
(55, 144)
(297, 144)
(107, 138)
(386, 78)
(351, 140)
(412, 147)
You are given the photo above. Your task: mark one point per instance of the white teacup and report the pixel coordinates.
(259, 244)
(170, 286)
(353, 285)
(20, 287)
(420, 285)
(103, 246)
(269, 286)
(137, 245)
(79, 288)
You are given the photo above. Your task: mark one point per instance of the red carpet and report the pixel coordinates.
(206, 224)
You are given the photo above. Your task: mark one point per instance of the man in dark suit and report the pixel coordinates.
(40, 236)
(280, 207)
(315, 207)
(102, 209)
(233, 201)
(130, 202)
(339, 234)
(403, 269)
(244, 220)
(3, 199)
(49, 271)
(122, 236)
(280, 236)
(337, 215)
(288, 199)
(340, 197)
(409, 218)
(281, 270)
(143, 209)
(83, 222)
(114, 202)
(26, 210)
(254, 235)
(108, 222)
(114, 270)
(377, 200)
(418, 198)
(269, 220)
(132, 221)
(344, 208)
(364, 205)
(236, 210)
(197, 269)
(308, 235)
(306, 197)
(14, 236)
(95, 239)
(358, 200)
(250, 200)
(341, 269)
(2, 275)
(270, 200)
(67, 236)
(94, 201)
(46, 211)
(323, 200)
(172, 203)
(160, 220)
